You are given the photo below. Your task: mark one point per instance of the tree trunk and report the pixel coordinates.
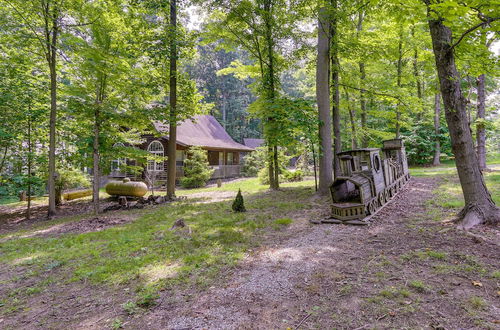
(437, 144)
(399, 68)
(271, 89)
(172, 132)
(323, 101)
(336, 93)
(4, 157)
(480, 129)
(362, 77)
(479, 207)
(352, 119)
(30, 160)
(52, 136)
(96, 170)
(416, 74)
(51, 35)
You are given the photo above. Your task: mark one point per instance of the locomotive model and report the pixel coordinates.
(367, 182)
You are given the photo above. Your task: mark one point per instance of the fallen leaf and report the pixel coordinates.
(498, 293)
(476, 283)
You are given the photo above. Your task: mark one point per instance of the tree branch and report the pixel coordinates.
(375, 93)
(477, 26)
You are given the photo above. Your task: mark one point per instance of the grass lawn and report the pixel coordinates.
(145, 253)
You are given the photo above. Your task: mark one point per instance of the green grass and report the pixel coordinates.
(250, 185)
(449, 193)
(145, 253)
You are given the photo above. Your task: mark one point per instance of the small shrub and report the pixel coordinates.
(196, 169)
(239, 204)
(264, 176)
(70, 179)
(293, 176)
(254, 162)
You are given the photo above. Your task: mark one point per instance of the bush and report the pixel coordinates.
(239, 204)
(293, 176)
(70, 179)
(254, 162)
(13, 185)
(196, 169)
(263, 176)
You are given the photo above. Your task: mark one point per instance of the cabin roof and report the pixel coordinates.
(202, 131)
(253, 143)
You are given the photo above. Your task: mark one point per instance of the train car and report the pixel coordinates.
(369, 178)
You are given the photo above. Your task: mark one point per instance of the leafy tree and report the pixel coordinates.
(479, 207)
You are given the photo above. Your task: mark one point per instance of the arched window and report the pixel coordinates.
(119, 163)
(156, 148)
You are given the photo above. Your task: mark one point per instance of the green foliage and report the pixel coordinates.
(71, 178)
(196, 168)
(238, 204)
(12, 185)
(254, 162)
(420, 143)
(293, 176)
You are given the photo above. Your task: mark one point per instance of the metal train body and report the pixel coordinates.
(368, 181)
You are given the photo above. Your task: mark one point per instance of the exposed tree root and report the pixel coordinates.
(472, 215)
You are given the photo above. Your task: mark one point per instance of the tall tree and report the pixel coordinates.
(479, 207)
(323, 101)
(172, 132)
(335, 68)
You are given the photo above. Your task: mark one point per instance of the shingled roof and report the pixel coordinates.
(253, 143)
(202, 131)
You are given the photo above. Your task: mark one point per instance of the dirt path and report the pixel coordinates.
(402, 271)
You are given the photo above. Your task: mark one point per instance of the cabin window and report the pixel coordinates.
(229, 158)
(119, 163)
(221, 158)
(376, 163)
(179, 157)
(156, 149)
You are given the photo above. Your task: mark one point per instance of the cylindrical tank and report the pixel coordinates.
(126, 188)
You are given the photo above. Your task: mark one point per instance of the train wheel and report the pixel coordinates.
(371, 207)
(387, 194)
(393, 191)
(381, 198)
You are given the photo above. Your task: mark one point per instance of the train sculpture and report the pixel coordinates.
(367, 181)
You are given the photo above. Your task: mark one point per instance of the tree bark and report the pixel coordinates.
(30, 161)
(95, 154)
(172, 132)
(352, 119)
(270, 85)
(362, 76)
(479, 207)
(480, 127)
(51, 33)
(323, 101)
(336, 93)
(399, 67)
(4, 157)
(437, 144)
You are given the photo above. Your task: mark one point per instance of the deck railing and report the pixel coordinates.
(219, 172)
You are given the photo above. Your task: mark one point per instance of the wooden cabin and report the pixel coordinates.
(203, 131)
